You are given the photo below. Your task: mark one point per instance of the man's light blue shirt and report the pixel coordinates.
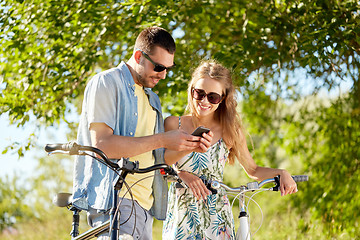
(110, 98)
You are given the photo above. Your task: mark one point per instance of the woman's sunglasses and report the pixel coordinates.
(212, 97)
(157, 67)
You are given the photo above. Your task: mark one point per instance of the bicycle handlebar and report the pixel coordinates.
(122, 164)
(251, 186)
(60, 146)
(74, 149)
(301, 178)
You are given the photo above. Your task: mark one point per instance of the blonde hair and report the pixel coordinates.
(226, 114)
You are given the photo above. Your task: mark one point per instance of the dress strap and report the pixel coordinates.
(179, 122)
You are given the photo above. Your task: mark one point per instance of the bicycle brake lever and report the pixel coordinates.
(182, 183)
(277, 183)
(170, 174)
(208, 185)
(57, 152)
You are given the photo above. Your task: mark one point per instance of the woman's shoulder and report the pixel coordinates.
(171, 123)
(175, 122)
(171, 119)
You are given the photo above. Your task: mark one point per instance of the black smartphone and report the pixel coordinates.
(200, 130)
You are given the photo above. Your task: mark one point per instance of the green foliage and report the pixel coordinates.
(56, 224)
(53, 175)
(45, 61)
(279, 51)
(13, 202)
(21, 204)
(333, 161)
(319, 138)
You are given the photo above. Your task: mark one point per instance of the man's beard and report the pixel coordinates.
(142, 80)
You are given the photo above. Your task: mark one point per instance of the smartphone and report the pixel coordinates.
(200, 130)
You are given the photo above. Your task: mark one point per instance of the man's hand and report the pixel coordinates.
(178, 140)
(179, 143)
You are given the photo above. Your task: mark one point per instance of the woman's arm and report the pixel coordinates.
(287, 183)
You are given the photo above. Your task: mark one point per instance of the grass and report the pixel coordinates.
(55, 225)
(281, 221)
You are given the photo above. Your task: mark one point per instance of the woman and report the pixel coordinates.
(195, 213)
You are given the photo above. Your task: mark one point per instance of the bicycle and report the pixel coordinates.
(122, 167)
(243, 232)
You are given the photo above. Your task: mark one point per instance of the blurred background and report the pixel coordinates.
(295, 64)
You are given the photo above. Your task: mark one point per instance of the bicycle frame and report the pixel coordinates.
(243, 232)
(93, 232)
(122, 167)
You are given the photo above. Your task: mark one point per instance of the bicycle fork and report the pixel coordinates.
(75, 223)
(243, 232)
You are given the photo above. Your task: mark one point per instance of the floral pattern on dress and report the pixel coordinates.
(189, 218)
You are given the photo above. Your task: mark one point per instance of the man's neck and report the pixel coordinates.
(131, 65)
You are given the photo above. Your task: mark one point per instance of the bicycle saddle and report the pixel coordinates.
(62, 199)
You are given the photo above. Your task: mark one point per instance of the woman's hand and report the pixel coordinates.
(196, 185)
(287, 183)
(205, 142)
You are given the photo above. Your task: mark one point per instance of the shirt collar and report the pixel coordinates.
(127, 74)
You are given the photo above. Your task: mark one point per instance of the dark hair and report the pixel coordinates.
(151, 37)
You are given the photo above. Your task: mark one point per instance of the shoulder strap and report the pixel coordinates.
(179, 122)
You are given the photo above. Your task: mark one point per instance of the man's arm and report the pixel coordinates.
(172, 155)
(116, 146)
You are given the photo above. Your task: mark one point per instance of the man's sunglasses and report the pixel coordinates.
(157, 67)
(212, 97)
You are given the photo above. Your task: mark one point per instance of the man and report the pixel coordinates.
(122, 117)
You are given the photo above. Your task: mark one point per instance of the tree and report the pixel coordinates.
(331, 141)
(12, 203)
(50, 49)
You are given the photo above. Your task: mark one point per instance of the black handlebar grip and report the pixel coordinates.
(60, 146)
(301, 178)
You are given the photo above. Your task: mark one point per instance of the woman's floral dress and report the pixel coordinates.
(189, 218)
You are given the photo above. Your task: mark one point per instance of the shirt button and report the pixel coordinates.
(135, 114)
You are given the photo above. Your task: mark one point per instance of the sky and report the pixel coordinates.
(24, 167)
